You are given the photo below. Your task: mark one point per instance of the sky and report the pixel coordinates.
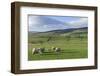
(41, 23)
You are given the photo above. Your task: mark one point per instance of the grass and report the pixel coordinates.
(74, 48)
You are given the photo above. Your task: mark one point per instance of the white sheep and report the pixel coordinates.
(57, 50)
(37, 50)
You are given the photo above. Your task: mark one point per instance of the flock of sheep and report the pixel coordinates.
(42, 50)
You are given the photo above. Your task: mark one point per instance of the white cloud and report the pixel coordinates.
(80, 22)
(33, 20)
(47, 26)
(37, 23)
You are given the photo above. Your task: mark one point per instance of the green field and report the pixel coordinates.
(73, 47)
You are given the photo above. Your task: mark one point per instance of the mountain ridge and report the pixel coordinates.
(66, 30)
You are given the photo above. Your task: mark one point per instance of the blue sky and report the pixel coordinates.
(47, 23)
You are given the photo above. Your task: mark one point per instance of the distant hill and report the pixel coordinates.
(68, 30)
(60, 32)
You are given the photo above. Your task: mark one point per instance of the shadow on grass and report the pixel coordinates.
(62, 52)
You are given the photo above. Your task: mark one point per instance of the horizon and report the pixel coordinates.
(56, 30)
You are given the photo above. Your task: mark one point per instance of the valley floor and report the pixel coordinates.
(74, 48)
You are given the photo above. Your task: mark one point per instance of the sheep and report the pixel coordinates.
(57, 50)
(38, 50)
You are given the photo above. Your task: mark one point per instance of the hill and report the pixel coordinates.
(60, 32)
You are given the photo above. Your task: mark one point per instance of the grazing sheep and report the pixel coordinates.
(57, 50)
(38, 50)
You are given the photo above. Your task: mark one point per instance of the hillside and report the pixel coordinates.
(61, 32)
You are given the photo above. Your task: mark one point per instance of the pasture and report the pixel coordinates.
(71, 48)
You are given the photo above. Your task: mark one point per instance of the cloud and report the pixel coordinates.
(34, 20)
(45, 23)
(80, 22)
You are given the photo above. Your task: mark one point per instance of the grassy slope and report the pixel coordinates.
(74, 48)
